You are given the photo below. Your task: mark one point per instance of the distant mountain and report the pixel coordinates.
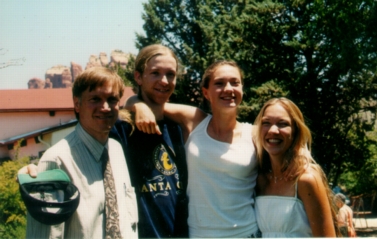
(63, 76)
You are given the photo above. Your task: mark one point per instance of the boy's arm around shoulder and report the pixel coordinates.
(188, 117)
(145, 119)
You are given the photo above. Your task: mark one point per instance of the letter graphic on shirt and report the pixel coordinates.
(163, 162)
(144, 189)
(152, 187)
(168, 186)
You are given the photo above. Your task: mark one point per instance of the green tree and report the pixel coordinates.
(12, 208)
(321, 54)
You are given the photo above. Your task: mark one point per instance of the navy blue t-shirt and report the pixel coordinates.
(158, 172)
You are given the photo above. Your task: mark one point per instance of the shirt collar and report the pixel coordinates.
(95, 147)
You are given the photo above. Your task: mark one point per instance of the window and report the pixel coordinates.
(23, 143)
(40, 153)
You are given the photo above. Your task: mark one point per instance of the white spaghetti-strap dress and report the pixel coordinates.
(279, 216)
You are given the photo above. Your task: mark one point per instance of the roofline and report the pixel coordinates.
(38, 132)
(36, 110)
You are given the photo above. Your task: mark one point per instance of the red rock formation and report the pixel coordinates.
(60, 76)
(36, 83)
(66, 78)
(118, 57)
(103, 59)
(76, 70)
(93, 62)
(48, 84)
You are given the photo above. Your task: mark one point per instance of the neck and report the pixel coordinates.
(100, 137)
(224, 129)
(276, 166)
(223, 122)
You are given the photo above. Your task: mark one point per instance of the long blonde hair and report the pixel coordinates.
(299, 153)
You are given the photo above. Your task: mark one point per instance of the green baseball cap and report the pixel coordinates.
(50, 198)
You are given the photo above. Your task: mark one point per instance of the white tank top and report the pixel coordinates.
(221, 184)
(279, 216)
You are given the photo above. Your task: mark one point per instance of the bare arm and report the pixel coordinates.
(188, 117)
(145, 119)
(312, 192)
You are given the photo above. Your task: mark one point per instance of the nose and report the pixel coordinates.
(164, 80)
(106, 106)
(228, 87)
(273, 129)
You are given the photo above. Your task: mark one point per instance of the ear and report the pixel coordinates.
(137, 77)
(205, 93)
(76, 104)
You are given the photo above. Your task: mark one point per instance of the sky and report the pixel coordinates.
(54, 32)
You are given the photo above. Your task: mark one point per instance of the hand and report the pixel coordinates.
(145, 120)
(30, 169)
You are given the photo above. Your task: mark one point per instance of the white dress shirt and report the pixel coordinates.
(79, 155)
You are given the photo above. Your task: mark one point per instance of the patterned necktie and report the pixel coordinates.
(111, 205)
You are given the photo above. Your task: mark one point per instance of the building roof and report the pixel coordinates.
(28, 100)
(38, 132)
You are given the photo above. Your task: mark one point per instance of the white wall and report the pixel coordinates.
(16, 123)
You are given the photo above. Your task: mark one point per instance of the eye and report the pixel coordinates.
(113, 100)
(265, 123)
(94, 99)
(283, 124)
(170, 75)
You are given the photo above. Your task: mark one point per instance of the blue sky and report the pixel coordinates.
(55, 32)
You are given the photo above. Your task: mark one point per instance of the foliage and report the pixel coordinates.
(363, 180)
(12, 208)
(313, 52)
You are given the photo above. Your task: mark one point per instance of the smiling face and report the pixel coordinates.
(158, 80)
(224, 88)
(277, 131)
(98, 110)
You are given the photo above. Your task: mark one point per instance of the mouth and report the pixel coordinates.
(274, 141)
(104, 117)
(162, 90)
(228, 98)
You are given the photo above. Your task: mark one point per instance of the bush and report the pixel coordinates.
(12, 208)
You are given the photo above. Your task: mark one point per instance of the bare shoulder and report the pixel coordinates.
(310, 175)
(310, 182)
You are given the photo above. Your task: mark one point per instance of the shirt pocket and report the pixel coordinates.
(131, 204)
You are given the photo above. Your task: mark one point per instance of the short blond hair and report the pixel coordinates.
(95, 77)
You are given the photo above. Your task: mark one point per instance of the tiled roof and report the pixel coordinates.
(42, 99)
